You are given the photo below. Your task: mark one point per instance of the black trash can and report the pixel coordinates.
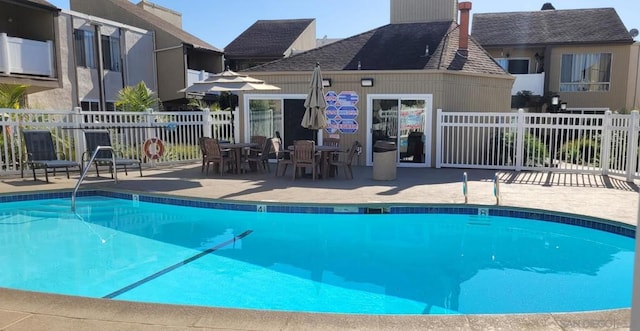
(385, 157)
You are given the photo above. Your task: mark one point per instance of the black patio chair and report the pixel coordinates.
(41, 153)
(95, 138)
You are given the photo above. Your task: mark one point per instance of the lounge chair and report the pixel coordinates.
(95, 138)
(41, 153)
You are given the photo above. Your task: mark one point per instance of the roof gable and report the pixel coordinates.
(267, 38)
(393, 47)
(576, 26)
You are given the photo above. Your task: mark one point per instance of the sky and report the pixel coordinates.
(220, 22)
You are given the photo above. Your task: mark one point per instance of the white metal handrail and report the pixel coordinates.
(86, 169)
(464, 187)
(496, 188)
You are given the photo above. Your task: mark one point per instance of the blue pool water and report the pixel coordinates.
(346, 263)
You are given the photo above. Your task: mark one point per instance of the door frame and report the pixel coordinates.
(427, 129)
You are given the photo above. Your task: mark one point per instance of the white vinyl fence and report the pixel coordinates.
(582, 143)
(179, 132)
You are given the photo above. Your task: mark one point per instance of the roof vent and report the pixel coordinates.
(426, 52)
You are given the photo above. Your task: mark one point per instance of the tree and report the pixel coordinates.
(136, 98)
(12, 96)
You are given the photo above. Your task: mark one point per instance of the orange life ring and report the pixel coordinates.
(153, 148)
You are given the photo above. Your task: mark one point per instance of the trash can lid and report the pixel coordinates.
(384, 146)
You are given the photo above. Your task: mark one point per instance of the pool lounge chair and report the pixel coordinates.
(41, 153)
(95, 138)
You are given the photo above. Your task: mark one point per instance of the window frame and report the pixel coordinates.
(586, 84)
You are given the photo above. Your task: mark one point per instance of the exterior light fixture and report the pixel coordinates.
(366, 82)
(326, 82)
(555, 104)
(563, 106)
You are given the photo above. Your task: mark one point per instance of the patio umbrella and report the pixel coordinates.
(228, 81)
(314, 116)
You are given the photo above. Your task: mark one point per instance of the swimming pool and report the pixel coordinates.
(402, 260)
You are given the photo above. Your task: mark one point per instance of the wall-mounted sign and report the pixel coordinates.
(341, 112)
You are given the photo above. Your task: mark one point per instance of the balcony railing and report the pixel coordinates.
(27, 57)
(529, 82)
(196, 76)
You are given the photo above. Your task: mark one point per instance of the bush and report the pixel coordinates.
(582, 151)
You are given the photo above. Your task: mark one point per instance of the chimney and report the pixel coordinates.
(465, 8)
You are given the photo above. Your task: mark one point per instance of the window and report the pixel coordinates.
(85, 49)
(265, 117)
(585, 72)
(514, 66)
(110, 53)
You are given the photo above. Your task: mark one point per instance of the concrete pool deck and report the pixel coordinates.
(592, 195)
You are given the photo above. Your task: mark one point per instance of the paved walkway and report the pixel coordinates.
(597, 196)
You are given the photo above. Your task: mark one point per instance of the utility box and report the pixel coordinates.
(385, 158)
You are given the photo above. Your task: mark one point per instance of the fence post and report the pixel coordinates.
(439, 138)
(519, 146)
(206, 122)
(632, 145)
(77, 120)
(605, 144)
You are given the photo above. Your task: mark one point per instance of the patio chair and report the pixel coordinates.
(282, 156)
(203, 152)
(95, 138)
(41, 153)
(260, 157)
(216, 155)
(345, 163)
(304, 155)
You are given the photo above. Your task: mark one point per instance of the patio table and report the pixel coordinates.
(237, 149)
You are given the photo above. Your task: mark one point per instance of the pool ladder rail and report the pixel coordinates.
(86, 169)
(496, 187)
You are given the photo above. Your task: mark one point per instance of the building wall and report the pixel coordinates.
(411, 11)
(633, 91)
(171, 75)
(306, 40)
(451, 91)
(615, 98)
(83, 84)
(62, 97)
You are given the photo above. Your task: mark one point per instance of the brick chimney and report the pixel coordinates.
(464, 8)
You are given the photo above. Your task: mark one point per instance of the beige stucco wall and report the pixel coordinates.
(64, 96)
(615, 98)
(171, 74)
(306, 40)
(633, 91)
(451, 91)
(411, 11)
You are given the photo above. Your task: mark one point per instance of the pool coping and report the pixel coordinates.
(611, 226)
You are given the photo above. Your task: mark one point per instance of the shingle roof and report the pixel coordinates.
(576, 26)
(43, 3)
(163, 25)
(393, 47)
(267, 38)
